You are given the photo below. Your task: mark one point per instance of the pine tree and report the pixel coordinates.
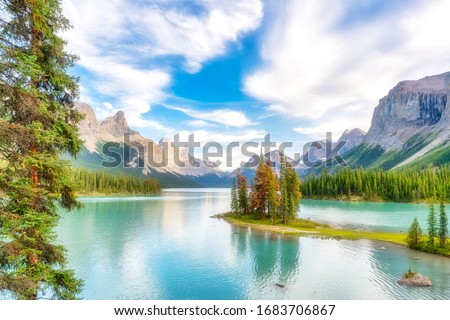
(273, 197)
(293, 194)
(432, 232)
(243, 201)
(443, 229)
(415, 235)
(234, 197)
(284, 205)
(37, 124)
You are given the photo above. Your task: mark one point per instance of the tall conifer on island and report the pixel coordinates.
(37, 124)
(273, 196)
(234, 206)
(293, 193)
(443, 229)
(242, 193)
(415, 235)
(432, 232)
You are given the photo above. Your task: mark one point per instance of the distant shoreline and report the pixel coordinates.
(96, 194)
(361, 199)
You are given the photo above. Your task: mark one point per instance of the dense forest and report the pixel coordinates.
(378, 185)
(101, 182)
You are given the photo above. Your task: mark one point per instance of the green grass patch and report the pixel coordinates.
(302, 227)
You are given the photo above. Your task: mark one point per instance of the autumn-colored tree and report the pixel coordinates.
(259, 196)
(37, 124)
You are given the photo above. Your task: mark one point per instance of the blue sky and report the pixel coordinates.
(235, 70)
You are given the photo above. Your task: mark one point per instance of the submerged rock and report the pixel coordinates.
(416, 280)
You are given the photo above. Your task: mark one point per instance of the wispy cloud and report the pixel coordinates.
(314, 62)
(198, 38)
(199, 124)
(226, 117)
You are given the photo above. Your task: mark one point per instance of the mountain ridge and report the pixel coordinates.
(115, 129)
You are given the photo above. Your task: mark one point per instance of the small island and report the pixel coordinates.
(411, 278)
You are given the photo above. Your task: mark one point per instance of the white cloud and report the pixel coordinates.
(312, 66)
(198, 38)
(226, 117)
(199, 124)
(204, 136)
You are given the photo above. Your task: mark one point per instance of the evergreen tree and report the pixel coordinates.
(37, 124)
(234, 197)
(415, 235)
(443, 229)
(273, 197)
(432, 232)
(243, 201)
(293, 194)
(284, 205)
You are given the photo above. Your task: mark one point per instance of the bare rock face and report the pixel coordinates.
(417, 280)
(116, 125)
(90, 120)
(352, 139)
(410, 108)
(316, 150)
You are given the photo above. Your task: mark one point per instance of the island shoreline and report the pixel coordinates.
(318, 231)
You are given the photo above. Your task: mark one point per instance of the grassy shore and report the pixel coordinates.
(306, 227)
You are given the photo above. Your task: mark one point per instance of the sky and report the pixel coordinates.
(237, 70)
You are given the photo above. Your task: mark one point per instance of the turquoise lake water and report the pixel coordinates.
(168, 247)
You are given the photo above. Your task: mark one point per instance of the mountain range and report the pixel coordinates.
(139, 155)
(112, 138)
(410, 127)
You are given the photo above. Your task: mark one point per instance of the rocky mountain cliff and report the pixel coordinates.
(352, 139)
(316, 150)
(411, 108)
(410, 127)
